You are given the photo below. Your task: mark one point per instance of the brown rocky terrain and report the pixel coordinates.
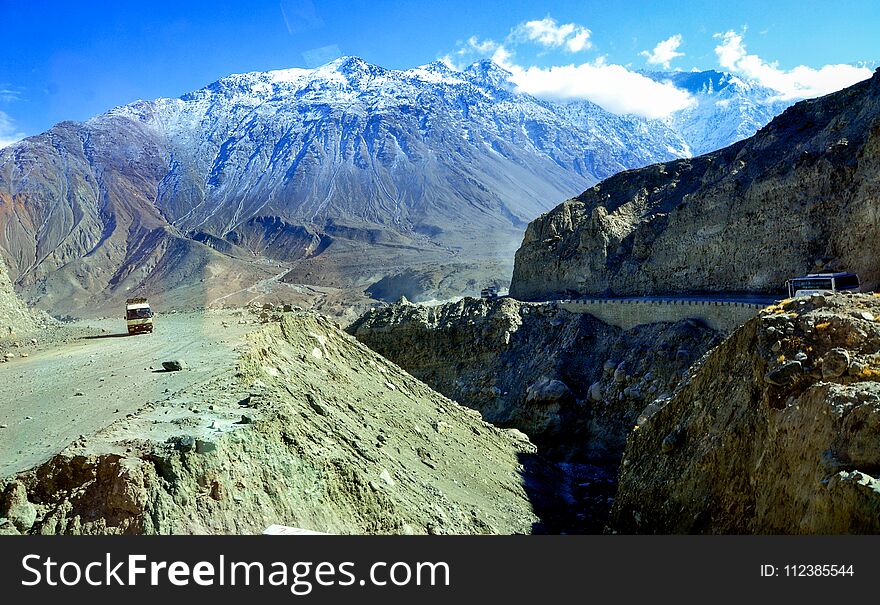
(574, 384)
(312, 430)
(80, 219)
(800, 195)
(776, 431)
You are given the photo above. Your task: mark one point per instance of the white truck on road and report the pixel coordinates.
(138, 316)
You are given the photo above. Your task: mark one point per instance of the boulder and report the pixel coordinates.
(185, 443)
(174, 366)
(548, 391)
(205, 446)
(785, 373)
(835, 363)
(16, 507)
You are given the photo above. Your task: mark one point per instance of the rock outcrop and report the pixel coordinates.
(574, 384)
(315, 431)
(776, 431)
(800, 195)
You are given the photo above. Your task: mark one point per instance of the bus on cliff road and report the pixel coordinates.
(823, 283)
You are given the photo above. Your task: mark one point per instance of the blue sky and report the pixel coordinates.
(72, 60)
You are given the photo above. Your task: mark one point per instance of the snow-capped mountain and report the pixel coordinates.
(727, 108)
(355, 143)
(344, 174)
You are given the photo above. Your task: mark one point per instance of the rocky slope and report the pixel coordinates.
(574, 384)
(80, 220)
(314, 430)
(798, 196)
(777, 431)
(16, 319)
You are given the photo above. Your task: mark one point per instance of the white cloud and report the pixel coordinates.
(8, 132)
(502, 57)
(610, 86)
(800, 82)
(316, 57)
(580, 41)
(10, 93)
(479, 46)
(547, 32)
(613, 87)
(664, 52)
(474, 47)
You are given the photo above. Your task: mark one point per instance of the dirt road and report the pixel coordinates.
(49, 399)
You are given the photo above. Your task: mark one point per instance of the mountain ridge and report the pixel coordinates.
(349, 169)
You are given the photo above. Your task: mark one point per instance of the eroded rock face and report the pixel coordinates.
(799, 195)
(750, 446)
(574, 384)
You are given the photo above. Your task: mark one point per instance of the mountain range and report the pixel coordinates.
(799, 196)
(348, 176)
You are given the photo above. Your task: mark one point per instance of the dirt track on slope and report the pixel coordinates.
(50, 398)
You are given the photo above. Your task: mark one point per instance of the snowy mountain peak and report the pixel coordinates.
(491, 74)
(349, 66)
(727, 109)
(438, 67)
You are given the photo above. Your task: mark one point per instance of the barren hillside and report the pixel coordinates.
(312, 430)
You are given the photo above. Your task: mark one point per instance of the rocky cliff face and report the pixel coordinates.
(800, 195)
(572, 383)
(777, 431)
